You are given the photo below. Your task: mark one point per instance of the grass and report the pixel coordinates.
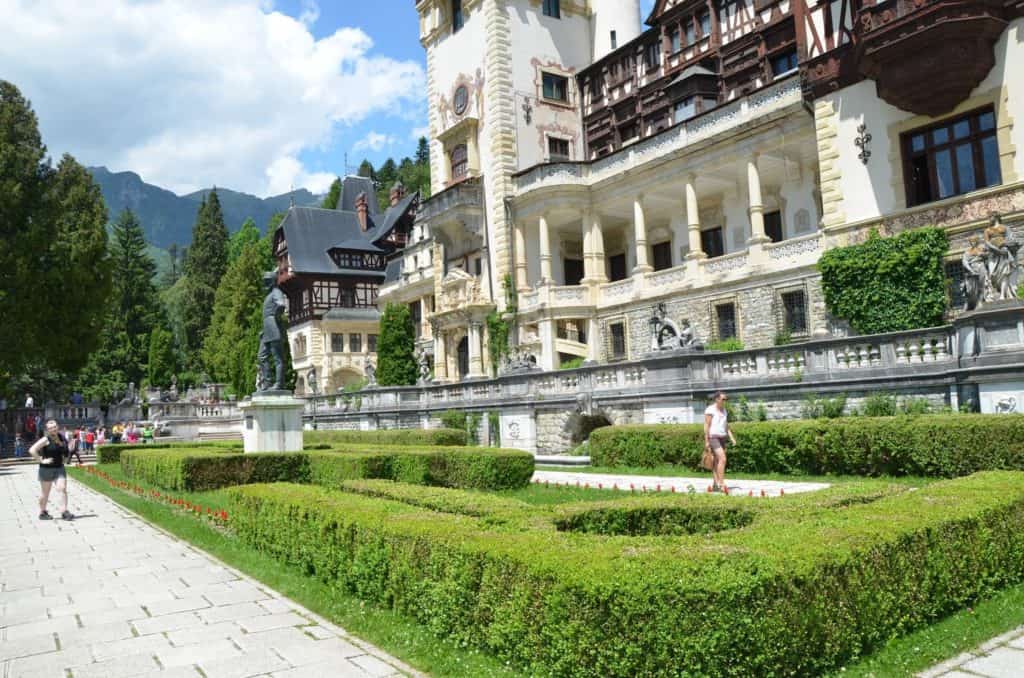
(410, 642)
(413, 644)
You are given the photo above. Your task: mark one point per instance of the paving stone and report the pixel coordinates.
(1004, 662)
(213, 615)
(1017, 642)
(167, 622)
(199, 653)
(343, 669)
(23, 647)
(99, 633)
(128, 613)
(49, 664)
(136, 645)
(250, 664)
(275, 605)
(55, 625)
(234, 592)
(92, 605)
(271, 621)
(374, 666)
(319, 632)
(204, 633)
(162, 607)
(121, 667)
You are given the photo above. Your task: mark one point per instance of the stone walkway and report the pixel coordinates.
(771, 488)
(1001, 657)
(108, 595)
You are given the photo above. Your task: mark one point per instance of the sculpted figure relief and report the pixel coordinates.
(991, 269)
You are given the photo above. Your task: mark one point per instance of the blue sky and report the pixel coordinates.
(255, 95)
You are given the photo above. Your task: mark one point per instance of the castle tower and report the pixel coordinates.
(613, 23)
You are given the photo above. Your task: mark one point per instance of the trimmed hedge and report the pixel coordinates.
(191, 469)
(811, 582)
(110, 453)
(411, 436)
(933, 445)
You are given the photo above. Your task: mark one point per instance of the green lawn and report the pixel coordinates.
(412, 643)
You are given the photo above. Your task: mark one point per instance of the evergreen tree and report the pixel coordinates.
(396, 364)
(53, 265)
(366, 169)
(162, 359)
(207, 260)
(232, 341)
(173, 272)
(333, 196)
(423, 152)
(248, 233)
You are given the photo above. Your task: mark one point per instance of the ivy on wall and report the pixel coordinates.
(498, 329)
(887, 284)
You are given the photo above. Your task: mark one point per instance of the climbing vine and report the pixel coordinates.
(887, 284)
(498, 328)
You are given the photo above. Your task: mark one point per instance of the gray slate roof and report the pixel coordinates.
(351, 187)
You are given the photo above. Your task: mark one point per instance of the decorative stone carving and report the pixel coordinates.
(991, 269)
(518, 360)
(371, 373)
(861, 141)
(423, 367)
(666, 335)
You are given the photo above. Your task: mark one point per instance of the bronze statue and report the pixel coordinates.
(270, 338)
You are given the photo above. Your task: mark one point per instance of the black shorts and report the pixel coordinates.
(47, 474)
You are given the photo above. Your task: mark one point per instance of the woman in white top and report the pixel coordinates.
(716, 430)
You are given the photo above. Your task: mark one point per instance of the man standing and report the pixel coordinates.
(270, 338)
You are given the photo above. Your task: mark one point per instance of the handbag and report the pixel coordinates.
(707, 460)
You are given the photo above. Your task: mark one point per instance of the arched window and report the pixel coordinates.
(460, 162)
(456, 15)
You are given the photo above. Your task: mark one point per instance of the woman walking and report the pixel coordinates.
(716, 431)
(50, 450)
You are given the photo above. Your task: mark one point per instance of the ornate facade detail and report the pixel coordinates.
(991, 269)
(792, 248)
(727, 263)
(861, 141)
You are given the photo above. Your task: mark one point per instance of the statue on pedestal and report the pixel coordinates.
(270, 338)
(423, 364)
(371, 374)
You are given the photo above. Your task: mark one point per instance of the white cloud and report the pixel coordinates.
(374, 141)
(310, 13)
(189, 93)
(418, 132)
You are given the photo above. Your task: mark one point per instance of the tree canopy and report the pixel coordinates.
(396, 364)
(207, 260)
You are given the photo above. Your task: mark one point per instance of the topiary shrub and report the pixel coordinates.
(887, 284)
(396, 364)
(448, 436)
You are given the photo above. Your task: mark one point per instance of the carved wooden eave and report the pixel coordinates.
(926, 57)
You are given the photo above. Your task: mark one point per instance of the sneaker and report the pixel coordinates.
(67, 515)
(45, 516)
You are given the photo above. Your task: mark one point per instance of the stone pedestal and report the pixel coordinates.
(272, 422)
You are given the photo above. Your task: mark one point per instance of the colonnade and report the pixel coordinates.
(593, 235)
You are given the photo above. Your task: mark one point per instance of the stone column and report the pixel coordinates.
(588, 254)
(693, 219)
(597, 245)
(520, 245)
(546, 334)
(593, 341)
(440, 354)
(640, 236)
(756, 207)
(545, 250)
(476, 366)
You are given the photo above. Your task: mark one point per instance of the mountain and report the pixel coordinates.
(168, 218)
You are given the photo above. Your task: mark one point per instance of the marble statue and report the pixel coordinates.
(666, 335)
(371, 374)
(423, 365)
(991, 269)
(270, 339)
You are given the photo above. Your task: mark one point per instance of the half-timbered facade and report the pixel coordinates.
(335, 262)
(701, 163)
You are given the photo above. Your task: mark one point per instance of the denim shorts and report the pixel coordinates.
(47, 474)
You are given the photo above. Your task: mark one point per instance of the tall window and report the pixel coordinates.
(618, 339)
(615, 40)
(725, 321)
(552, 8)
(573, 271)
(711, 242)
(953, 157)
(705, 25)
(371, 343)
(460, 162)
(773, 225)
(794, 312)
(556, 87)
(661, 253)
(456, 15)
(691, 31)
(337, 343)
(355, 343)
(652, 56)
(784, 63)
(558, 149)
(674, 40)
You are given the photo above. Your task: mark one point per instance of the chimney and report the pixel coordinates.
(397, 193)
(361, 209)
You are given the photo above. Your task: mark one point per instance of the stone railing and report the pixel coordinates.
(618, 291)
(466, 193)
(835, 363)
(705, 126)
(725, 263)
(803, 245)
(179, 410)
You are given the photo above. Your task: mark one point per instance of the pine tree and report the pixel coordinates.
(248, 233)
(366, 170)
(53, 257)
(162, 359)
(423, 152)
(207, 260)
(333, 196)
(232, 341)
(396, 364)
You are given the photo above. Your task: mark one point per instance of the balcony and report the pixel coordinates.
(463, 198)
